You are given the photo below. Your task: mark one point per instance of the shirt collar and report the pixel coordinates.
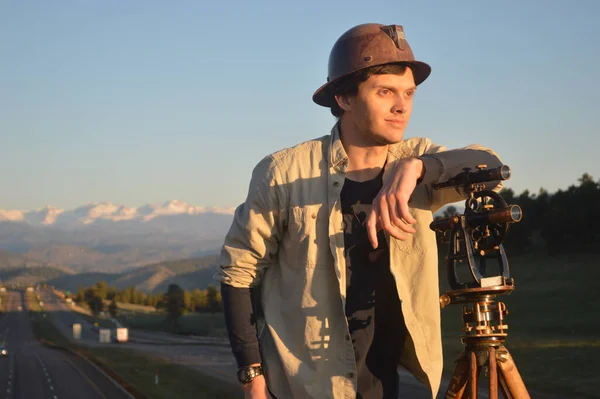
(337, 154)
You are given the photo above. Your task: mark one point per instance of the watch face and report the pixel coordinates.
(247, 374)
(242, 375)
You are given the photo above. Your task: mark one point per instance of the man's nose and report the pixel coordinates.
(400, 106)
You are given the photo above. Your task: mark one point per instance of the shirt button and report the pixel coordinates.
(350, 375)
(336, 183)
(314, 216)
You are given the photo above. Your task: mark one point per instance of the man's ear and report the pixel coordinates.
(343, 102)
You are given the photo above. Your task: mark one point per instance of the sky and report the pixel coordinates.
(137, 102)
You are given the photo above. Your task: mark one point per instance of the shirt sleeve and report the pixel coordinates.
(250, 248)
(240, 321)
(442, 164)
(252, 242)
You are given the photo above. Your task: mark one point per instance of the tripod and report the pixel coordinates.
(474, 239)
(484, 350)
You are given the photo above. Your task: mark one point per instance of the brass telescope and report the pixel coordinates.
(510, 214)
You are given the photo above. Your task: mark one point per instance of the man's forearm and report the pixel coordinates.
(241, 324)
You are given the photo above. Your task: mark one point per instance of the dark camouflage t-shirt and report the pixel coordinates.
(372, 305)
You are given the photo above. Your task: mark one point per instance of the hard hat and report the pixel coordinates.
(365, 46)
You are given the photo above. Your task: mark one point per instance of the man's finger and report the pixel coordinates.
(403, 225)
(393, 207)
(387, 224)
(372, 227)
(405, 213)
(395, 215)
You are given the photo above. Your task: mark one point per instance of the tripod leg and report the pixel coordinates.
(493, 373)
(458, 383)
(504, 387)
(510, 374)
(473, 379)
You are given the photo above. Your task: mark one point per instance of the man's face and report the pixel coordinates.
(381, 109)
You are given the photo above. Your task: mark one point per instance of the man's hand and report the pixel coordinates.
(390, 208)
(257, 389)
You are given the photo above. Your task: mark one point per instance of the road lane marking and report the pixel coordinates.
(85, 377)
(44, 368)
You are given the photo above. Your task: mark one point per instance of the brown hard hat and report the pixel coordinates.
(365, 46)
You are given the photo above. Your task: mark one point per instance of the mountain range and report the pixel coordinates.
(105, 212)
(107, 237)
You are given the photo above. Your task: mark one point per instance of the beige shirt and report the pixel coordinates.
(288, 236)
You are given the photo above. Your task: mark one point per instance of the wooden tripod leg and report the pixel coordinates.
(458, 383)
(493, 373)
(473, 379)
(512, 379)
(504, 387)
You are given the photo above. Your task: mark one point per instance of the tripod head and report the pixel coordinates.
(475, 237)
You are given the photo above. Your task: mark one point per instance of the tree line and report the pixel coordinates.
(563, 222)
(176, 301)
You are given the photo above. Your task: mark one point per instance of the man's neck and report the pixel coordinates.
(365, 160)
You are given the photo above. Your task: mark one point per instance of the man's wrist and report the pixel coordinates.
(247, 374)
(432, 169)
(420, 165)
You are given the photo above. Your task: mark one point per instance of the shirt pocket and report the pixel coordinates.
(307, 244)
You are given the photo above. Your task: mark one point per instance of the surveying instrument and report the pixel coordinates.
(478, 272)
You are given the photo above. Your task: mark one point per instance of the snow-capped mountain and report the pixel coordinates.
(105, 212)
(106, 236)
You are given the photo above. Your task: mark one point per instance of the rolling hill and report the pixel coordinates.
(187, 273)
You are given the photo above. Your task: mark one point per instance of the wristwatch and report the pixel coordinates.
(246, 374)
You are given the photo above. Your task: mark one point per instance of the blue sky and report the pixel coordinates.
(142, 102)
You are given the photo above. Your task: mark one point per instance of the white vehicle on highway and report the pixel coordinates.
(122, 335)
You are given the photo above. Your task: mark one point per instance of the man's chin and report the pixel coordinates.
(389, 139)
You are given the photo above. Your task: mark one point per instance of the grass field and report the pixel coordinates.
(205, 324)
(100, 322)
(137, 369)
(175, 381)
(42, 327)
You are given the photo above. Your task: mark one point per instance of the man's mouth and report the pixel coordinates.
(395, 121)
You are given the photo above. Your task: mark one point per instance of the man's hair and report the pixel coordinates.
(348, 85)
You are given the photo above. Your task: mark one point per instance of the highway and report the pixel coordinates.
(216, 361)
(30, 370)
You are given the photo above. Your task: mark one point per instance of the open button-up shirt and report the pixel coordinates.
(288, 238)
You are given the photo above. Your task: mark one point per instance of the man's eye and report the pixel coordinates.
(384, 92)
(410, 93)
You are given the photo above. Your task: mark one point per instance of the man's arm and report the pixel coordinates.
(250, 247)
(429, 164)
(240, 321)
(441, 164)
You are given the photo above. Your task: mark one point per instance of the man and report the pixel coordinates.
(329, 271)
